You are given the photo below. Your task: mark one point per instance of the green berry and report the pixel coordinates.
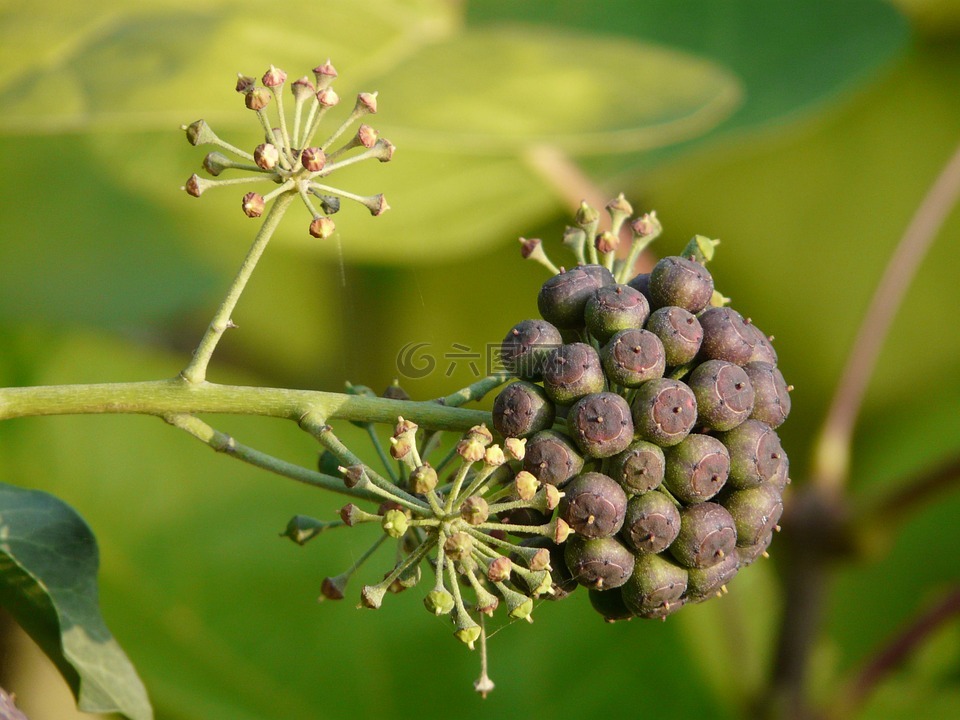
(524, 350)
(704, 583)
(755, 511)
(522, 409)
(681, 282)
(724, 394)
(679, 332)
(756, 455)
(707, 535)
(563, 297)
(572, 371)
(651, 522)
(632, 357)
(696, 468)
(552, 458)
(639, 468)
(601, 563)
(600, 424)
(664, 411)
(656, 586)
(613, 308)
(748, 554)
(593, 505)
(610, 604)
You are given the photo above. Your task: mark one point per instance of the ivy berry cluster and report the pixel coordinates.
(653, 406)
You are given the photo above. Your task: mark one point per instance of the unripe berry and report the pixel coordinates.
(651, 522)
(641, 283)
(697, 468)
(600, 424)
(755, 511)
(572, 371)
(632, 357)
(525, 348)
(681, 282)
(756, 455)
(593, 505)
(763, 350)
(639, 468)
(563, 297)
(679, 332)
(600, 563)
(704, 583)
(613, 308)
(748, 554)
(522, 409)
(707, 535)
(610, 604)
(664, 411)
(656, 586)
(724, 394)
(772, 397)
(551, 457)
(726, 336)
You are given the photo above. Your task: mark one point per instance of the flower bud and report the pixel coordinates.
(274, 77)
(313, 159)
(515, 448)
(499, 570)
(458, 546)
(252, 204)
(302, 88)
(215, 163)
(423, 479)
(394, 523)
(266, 156)
(367, 103)
(439, 602)
(257, 99)
(328, 97)
(526, 485)
(325, 74)
(475, 510)
(322, 227)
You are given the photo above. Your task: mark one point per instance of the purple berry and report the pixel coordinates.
(679, 332)
(707, 535)
(572, 371)
(664, 411)
(697, 468)
(651, 523)
(524, 350)
(681, 282)
(632, 357)
(600, 424)
(593, 505)
(724, 394)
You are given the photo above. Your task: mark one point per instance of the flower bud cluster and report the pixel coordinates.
(457, 519)
(289, 157)
(653, 406)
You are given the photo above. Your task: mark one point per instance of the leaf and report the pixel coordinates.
(48, 583)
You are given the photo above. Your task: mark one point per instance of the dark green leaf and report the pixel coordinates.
(48, 583)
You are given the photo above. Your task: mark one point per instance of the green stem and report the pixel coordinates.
(166, 397)
(196, 371)
(222, 442)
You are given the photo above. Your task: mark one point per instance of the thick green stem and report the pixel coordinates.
(168, 397)
(196, 370)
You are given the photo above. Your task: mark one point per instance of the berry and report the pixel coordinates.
(724, 394)
(707, 535)
(524, 350)
(681, 282)
(610, 604)
(651, 522)
(600, 424)
(521, 409)
(762, 347)
(600, 563)
(664, 411)
(772, 397)
(726, 336)
(552, 458)
(612, 308)
(756, 455)
(655, 587)
(697, 468)
(593, 505)
(563, 297)
(639, 468)
(641, 283)
(748, 554)
(703, 583)
(755, 512)
(572, 371)
(632, 357)
(679, 331)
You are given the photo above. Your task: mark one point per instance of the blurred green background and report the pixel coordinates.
(803, 134)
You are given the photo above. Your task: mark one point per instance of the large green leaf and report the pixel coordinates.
(48, 583)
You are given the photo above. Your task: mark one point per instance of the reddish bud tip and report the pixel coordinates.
(274, 77)
(367, 102)
(252, 205)
(322, 227)
(366, 136)
(245, 83)
(328, 97)
(313, 159)
(266, 156)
